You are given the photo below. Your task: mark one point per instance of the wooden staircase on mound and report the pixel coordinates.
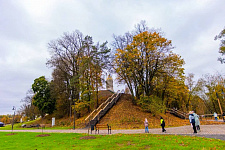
(178, 113)
(98, 113)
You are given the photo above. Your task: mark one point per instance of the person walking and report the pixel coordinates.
(215, 116)
(146, 125)
(162, 124)
(192, 121)
(223, 115)
(197, 122)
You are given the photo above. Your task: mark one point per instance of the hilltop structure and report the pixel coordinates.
(109, 83)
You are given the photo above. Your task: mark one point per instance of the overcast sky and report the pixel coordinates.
(26, 26)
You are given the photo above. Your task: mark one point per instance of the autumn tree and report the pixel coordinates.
(145, 62)
(172, 91)
(209, 87)
(94, 62)
(78, 66)
(60, 89)
(191, 86)
(66, 56)
(221, 37)
(86, 79)
(146, 58)
(101, 62)
(170, 83)
(5, 119)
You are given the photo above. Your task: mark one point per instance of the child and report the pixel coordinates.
(162, 124)
(146, 125)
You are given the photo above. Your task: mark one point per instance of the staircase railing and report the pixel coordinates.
(178, 113)
(94, 112)
(105, 109)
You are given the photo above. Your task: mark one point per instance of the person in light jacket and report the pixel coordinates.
(197, 122)
(146, 125)
(192, 121)
(215, 116)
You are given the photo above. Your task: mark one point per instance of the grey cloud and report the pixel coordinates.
(190, 24)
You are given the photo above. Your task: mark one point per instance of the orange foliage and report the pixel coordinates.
(5, 120)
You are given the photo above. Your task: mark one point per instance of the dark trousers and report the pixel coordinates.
(194, 128)
(163, 128)
(198, 127)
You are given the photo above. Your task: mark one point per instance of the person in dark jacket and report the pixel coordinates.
(192, 121)
(223, 115)
(162, 124)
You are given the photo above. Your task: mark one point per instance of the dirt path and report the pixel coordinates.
(208, 131)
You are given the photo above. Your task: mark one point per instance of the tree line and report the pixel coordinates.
(142, 59)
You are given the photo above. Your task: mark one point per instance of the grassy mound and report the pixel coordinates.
(126, 115)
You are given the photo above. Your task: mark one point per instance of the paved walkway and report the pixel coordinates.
(208, 131)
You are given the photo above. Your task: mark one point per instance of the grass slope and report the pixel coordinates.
(126, 115)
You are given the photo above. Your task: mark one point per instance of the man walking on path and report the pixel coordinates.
(192, 121)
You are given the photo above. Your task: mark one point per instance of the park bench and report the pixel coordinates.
(102, 126)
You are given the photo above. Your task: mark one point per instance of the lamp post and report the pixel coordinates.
(74, 114)
(219, 103)
(14, 108)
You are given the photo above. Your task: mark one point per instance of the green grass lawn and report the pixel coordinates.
(67, 141)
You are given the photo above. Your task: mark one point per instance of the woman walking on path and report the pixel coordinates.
(192, 121)
(197, 122)
(162, 124)
(146, 125)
